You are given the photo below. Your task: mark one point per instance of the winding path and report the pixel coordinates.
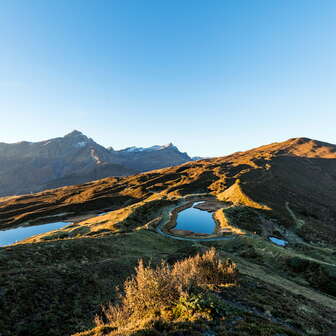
(166, 213)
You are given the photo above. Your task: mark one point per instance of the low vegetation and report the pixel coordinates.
(243, 217)
(60, 286)
(197, 296)
(174, 293)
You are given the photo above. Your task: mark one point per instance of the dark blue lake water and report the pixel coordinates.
(195, 220)
(11, 236)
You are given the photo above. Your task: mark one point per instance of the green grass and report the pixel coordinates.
(59, 285)
(56, 286)
(243, 217)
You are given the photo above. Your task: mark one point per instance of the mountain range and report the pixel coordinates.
(28, 167)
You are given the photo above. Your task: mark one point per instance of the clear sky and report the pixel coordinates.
(213, 77)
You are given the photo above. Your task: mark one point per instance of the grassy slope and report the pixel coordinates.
(58, 286)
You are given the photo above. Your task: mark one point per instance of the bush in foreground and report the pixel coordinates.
(170, 293)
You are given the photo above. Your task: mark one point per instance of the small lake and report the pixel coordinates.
(12, 236)
(195, 220)
(278, 241)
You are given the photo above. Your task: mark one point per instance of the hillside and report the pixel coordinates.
(298, 174)
(284, 190)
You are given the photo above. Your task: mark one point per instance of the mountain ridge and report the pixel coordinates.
(72, 159)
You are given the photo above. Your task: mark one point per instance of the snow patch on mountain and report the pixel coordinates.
(94, 155)
(147, 149)
(80, 144)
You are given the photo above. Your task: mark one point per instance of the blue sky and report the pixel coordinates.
(213, 77)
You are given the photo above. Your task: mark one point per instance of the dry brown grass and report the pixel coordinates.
(225, 225)
(202, 270)
(154, 290)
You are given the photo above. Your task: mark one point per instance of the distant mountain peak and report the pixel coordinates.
(78, 139)
(75, 133)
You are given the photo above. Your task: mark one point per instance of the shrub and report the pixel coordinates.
(168, 291)
(201, 305)
(206, 269)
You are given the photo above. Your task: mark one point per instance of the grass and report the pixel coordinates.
(225, 224)
(243, 218)
(60, 283)
(298, 223)
(131, 217)
(182, 299)
(308, 266)
(176, 291)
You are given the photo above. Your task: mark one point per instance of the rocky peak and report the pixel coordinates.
(75, 134)
(77, 139)
(169, 145)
